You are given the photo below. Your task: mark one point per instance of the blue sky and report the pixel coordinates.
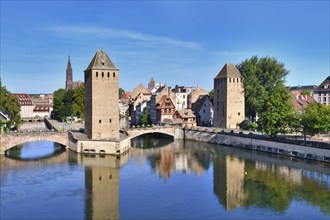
(176, 42)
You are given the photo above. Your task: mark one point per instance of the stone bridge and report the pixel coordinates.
(10, 140)
(175, 131)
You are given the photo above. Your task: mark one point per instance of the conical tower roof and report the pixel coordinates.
(101, 61)
(69, 63)
(229, 71)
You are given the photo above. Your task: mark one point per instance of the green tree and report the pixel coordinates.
(145, 118)
(266, 94)
(62, 103)
(121, 92)
(305, 92)
(78, 102)
(315, 119)
(211, 95)
(9, 104)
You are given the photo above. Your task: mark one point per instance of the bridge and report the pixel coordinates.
(175, 131)
(10, 140)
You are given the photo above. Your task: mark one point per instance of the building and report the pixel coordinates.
(194, 95)
(101, 99)
(139, 89)
(69, 83)
(165, 109)
(181, 95)
(26, 105)
(42, 111)
(299, 101)
(185, 117)
(151, 84)
(203, 110)
(300, 88)
(322, 92)
(229, 101)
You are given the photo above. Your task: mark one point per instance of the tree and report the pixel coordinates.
(211, 95)
(121, 92)
(315, 119)
(266, 94)
(62, 103)
(305, 92)
(78, 103)
(145, 118)
(9, 104)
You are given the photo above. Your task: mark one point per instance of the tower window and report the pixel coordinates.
(114, 74)
(100, 121)
(110, 120)
(97, 74)
(102, 74)
(108, 74)
(239, 113)
(229, 79)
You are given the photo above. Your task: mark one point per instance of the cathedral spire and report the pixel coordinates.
(69, 63)
(68, 81)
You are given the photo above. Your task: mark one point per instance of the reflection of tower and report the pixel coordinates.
(228, 178)
(102, 188)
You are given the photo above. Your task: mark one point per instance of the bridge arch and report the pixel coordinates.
(9, 141)
(136, 132)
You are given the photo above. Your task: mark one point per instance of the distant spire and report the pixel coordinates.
(69, 63)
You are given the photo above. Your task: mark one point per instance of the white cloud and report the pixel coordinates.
(104, 33)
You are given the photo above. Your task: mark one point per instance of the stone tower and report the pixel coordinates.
(151, 84)
(101, 99)
(68, 80)
(229, 101)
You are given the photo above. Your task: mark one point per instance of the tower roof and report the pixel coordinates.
(101, 61)
(228, 70)
(69, 64)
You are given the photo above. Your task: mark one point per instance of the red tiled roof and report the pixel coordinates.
(300, 101)
(24, 99)
(41, 108)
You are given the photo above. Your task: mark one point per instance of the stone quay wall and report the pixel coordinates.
(244, 141)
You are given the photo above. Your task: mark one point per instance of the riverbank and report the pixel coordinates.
(292, 148)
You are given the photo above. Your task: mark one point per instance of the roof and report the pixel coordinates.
(139, 89)
(101, 61)
(299, 88)
(3, 117)
(69, 64)
(41, 108)
(198, 104)
(24, 99)
(300, 101)
(186, 113)
(229, 70)
(164, 99)
(325, 85)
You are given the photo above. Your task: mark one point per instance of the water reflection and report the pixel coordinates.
(242, 183)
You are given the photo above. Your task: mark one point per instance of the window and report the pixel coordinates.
(319, 99)
(108, 74)
(229, 79)
(324, 99)
(110, 120)
(97, 74)
(233, 79)
(239, 113)
(100, 121)
(114, 74)
(102, 74)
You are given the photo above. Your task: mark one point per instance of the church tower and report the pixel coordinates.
(229, 100)
(68, 80)
(151, 84)
(101, 99)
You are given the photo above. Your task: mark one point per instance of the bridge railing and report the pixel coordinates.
(22, 134)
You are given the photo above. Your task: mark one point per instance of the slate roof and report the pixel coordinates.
(41, 108)
(101, 61)
(198, 105)
(325, 85)
(228, 71)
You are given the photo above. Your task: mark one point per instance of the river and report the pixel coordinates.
(160, 178)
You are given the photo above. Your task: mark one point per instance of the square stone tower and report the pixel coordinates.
(101, 99)
(229, 101)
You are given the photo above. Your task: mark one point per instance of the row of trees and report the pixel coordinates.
(9, 104)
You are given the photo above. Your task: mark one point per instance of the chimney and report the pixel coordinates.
(169, 92)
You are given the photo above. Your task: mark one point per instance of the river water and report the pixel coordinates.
(161, 179)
